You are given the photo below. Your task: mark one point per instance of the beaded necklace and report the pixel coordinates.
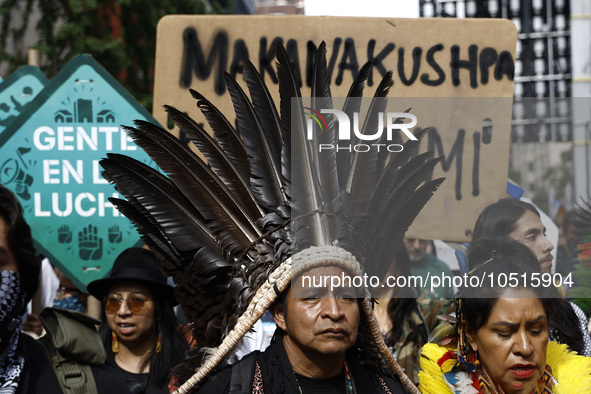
(350, 386)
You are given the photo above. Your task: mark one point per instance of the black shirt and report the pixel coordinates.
(139, 383)
(367, 382)
(38, 375)
(334, 385)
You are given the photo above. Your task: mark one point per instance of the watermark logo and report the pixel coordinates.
(317, 117)
(394, 122)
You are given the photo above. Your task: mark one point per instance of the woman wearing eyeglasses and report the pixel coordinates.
(139, 329)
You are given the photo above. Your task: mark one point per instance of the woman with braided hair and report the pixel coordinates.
(500, 344)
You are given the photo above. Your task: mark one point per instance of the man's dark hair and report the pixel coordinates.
(20, 241)
(507, 254)
(500, 219)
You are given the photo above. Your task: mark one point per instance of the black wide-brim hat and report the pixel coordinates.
(134, 264)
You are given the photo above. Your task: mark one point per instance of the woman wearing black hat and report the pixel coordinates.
(139, 327)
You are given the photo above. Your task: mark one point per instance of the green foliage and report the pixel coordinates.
(515, 176)
(557, 177)
(18, 31)
(119, 34)
(581, 291)
(540, 198)
(561, 175)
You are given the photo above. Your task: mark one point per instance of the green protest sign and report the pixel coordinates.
(18, 90)
(49, 156)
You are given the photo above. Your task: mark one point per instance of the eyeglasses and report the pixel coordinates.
(135, 303)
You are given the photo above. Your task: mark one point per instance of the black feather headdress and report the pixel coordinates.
(228, 229)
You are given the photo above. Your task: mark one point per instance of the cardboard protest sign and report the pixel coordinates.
(49, 156)
(430, 58)
(18, 90)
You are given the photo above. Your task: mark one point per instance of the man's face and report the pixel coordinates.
(7, 259)
(416, 248)
(531, 232)
(322, 322)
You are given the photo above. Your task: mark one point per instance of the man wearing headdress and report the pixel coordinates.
(316, 347)
(240, 233)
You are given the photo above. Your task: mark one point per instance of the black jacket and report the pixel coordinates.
(38, 375)
(238, 378)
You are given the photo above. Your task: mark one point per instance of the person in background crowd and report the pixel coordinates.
(48, 286)
(56, 290)
(566, 248)
(520, 221)
(24, 366)
(406, 319)
(22, 358)
(139, 331)
(426, 264)
(68, 296)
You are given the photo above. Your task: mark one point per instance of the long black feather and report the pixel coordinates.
(351, 105)
(380, 257)
(265, 169)
(361, 162)
(184, 230)
(177, 218)
(383, 155)
(225, 134)
(408, 150)
(404, 188)
(325, 160)
(321, 99)
(388, 178)
(218, 159)
(291, 123)
(143, 219)
(265, 110)
(195, 179)
(364, 172)
(151, 236)
(311, 229)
